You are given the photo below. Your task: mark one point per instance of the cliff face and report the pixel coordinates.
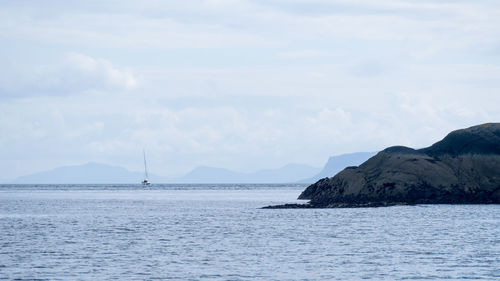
(464, 167)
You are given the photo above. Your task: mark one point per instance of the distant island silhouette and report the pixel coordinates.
(88, 173)
(96, 173)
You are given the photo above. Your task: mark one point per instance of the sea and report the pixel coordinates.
(220, 232)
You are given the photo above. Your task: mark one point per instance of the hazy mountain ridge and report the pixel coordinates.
(85, 174)
(92, 172)
(103, 173)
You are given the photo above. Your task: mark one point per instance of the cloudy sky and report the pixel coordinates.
(244, 85)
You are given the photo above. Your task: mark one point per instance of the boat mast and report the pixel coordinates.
(145, 167)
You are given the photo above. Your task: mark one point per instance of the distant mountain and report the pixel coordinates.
(85, 174)
(102, 173)
(337, 163)
(286, 174)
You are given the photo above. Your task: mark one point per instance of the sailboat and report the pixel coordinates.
(145, 181)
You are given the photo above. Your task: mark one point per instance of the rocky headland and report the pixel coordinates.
(463, 168)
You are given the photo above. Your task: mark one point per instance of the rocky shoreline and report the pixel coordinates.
(338, 205)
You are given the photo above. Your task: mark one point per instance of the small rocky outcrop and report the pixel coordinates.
(463, 168)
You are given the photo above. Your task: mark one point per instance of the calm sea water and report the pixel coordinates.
(218, 232)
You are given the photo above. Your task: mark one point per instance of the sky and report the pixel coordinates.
(244, 85)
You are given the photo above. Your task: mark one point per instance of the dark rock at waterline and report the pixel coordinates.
(463, 168)
(289, 206)
(337, 205)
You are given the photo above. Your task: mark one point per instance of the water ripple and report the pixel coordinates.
(223, 235)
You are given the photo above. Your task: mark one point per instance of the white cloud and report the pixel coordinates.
(99, 72)
(73, 74)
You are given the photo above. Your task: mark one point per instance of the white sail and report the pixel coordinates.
(146, 178)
